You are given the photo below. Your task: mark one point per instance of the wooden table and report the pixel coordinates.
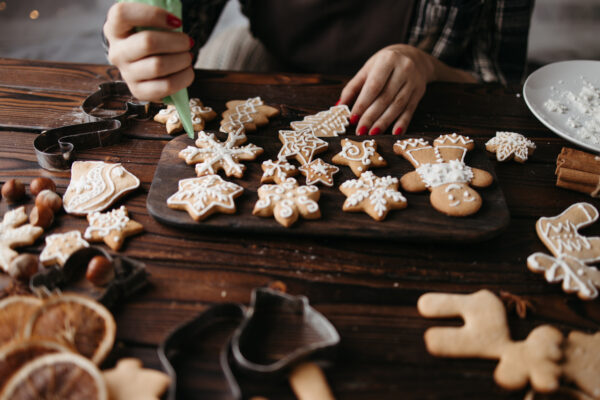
(368, 289)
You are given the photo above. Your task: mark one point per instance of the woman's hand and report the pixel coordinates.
(388, 88)
(154, 63)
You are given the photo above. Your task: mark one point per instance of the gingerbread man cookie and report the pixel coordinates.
(111, 227)
(485, 334)
(204, 196)
(303, 145)
(359, 156)
(210, 155)
(332, 122)
(60, 246)
(318, 171)
(96, 185)
(571, 251)
(246, 114)
(200, 115)
(287, 201)
(374, 195)
(277, 171)
(441, 169)
(129, 381)
(15, 233)
(510, 145)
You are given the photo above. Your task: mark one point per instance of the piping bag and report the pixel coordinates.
(180, 99)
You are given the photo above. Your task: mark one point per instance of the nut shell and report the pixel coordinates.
(23, 267)
(41, 183)
(41, 216)
(13, 190)
(49, 199)
(100, 271)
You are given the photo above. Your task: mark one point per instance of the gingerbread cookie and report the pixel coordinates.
(571, 251)
(286, 201)
(359, 156)
(582, 362)
(510, 145)
(96, 185)
(200, 115)
(303, 145)
(277, 171)
(60, 246)
(332, 122)
(204, 196)
(246, 114)
(111, 227)
(210, 155)
(15, 233)
(485, 334)
(374, 195)
(318, 171)
(441, 169)
(129, 381)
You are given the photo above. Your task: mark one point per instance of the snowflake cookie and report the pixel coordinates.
(359, 156)
(111, 227)
(200, 115)
(277, 171)
(318, 171)
(60, 246)
(210, 155)
(14, 234)
(374, 195)
(510, 145)
(96, 185)
(204, 196)
(332, 122)
(303, 145)
(287, 201)
(246, 114)
(571, 252)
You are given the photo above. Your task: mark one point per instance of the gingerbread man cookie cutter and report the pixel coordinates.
(441, 169)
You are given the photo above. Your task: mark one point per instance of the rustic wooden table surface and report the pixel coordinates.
(367, 288)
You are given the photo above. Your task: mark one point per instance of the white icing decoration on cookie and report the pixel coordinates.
(406, 143)
(205, 193)
(511, 143)
(103, 223)
(332, 122)
(286, 197)
(360, 153)
(242, 115)
(438, 174)
(301, 144)
(375, 190)
(60, 246)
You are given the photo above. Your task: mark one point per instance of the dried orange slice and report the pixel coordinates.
(14, 312)
(77, 322)
(16, 353)
(64, 376)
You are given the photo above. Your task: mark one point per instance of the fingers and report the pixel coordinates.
(148, 43)
(157, 66)
(377, 78)
(122, 18)
(404, 120)
(156, 89)
(352, 88)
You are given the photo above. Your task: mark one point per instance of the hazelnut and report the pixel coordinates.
(23, 267)
(100, 271)
(49, 199)
(13, 190)
(41, 216)
(41, 183)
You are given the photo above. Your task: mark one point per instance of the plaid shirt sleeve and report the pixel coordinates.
(486, 37)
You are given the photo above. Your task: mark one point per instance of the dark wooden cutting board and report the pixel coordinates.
(416, 222)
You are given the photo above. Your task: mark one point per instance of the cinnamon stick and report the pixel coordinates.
(578, 176)
(578, 160)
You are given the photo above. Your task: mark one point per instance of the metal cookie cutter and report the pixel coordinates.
(54, 148)
(130, 277)
(274, 337)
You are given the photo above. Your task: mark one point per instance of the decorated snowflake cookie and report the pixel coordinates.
(374, 195)
(200, 115)
(287, 201)
(111, 227)
(303, 145)
(508, 145)
(204, 196)
(332, 122)
(277, 171)
(359, 156)
(210, 155)
(15, 233)
(246, 114)
(318, 171)
(60, 246)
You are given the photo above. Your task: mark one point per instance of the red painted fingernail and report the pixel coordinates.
(173, 21)
(354, 119)
(338, 102)
(192, 43)
(398, 131)
(361, 131)
(374, 131)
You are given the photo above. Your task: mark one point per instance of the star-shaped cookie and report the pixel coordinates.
(277, 171)
(111, 227)
(509, 145)
(129, 381)
(318, 171)
(14, 234)
(359, 156)
(60, 246)
(303, 145)
(200, 115)
(204, 196)
(374, 195)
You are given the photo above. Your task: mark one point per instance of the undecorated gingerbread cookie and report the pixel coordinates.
(15, 233)
(246, 114)
(60, 246)
(287, 201)
(510, 145)
(200, 115)
(112, 227)
(582, 362)
(129, 381)
(332, 122)
(359, 156)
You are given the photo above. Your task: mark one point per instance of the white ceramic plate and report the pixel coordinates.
(554, 82)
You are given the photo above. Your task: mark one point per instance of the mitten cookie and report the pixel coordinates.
(359, 156)
(441, 169)
(246, 114)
